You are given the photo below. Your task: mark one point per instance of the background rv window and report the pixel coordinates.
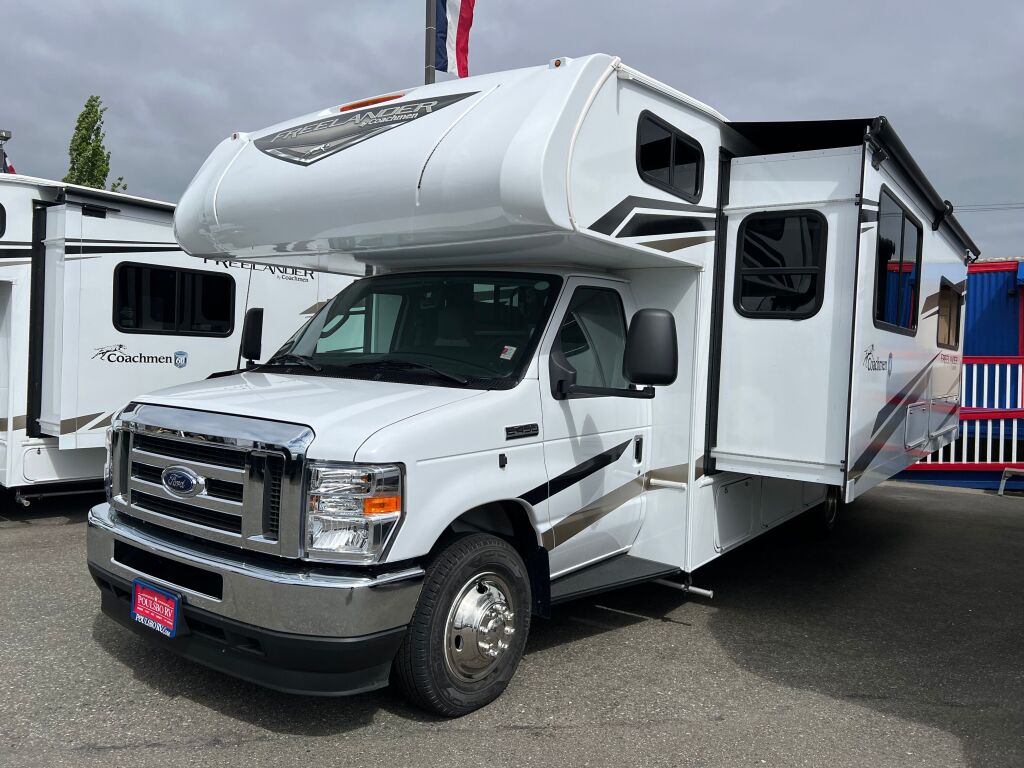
(780, 265)
(181, 302)
(949, 316)
(668, 159)
(898, 267)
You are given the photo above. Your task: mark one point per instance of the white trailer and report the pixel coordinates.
(475, 432)
(98, 304)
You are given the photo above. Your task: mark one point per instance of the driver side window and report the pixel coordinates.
(593, 337)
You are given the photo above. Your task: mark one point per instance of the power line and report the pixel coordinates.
(989, 207)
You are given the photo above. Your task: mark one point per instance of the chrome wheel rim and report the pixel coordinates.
(480, 627)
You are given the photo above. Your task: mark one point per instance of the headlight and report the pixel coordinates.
(352, 510)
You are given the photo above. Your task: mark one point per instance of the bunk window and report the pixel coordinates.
(780, 265)
(949, 316)
(668, 158)
(898, 267)
(180, 302)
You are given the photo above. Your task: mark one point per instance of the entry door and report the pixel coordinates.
(594, 447)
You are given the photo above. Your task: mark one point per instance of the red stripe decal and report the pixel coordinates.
(462, 37)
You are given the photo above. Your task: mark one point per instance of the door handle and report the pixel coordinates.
(638, 449)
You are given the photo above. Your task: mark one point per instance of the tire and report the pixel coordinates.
(458, 654)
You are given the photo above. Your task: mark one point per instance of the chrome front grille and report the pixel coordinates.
(251, 475)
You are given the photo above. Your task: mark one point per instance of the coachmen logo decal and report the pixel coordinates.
(875, 363)
(119, 354)
(305, 144)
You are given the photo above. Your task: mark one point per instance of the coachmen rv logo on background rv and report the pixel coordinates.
(305, 144)
(118, 353)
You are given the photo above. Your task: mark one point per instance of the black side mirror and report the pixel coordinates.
(251, 346)
(652, 351)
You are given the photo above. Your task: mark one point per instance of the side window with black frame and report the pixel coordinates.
(949, 315)
(780, 264)
(3, 221)
(669, 159)
(897, 267)
(593, 337)
(180, 302)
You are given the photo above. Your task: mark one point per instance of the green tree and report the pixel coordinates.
(89, 159)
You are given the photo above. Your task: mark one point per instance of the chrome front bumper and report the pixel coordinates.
(287, 597)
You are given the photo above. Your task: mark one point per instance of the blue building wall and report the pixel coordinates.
(992, 320)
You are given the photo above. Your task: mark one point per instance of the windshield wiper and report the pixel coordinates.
(392, 363)
(289, 358)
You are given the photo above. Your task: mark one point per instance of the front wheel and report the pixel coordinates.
(469, 629)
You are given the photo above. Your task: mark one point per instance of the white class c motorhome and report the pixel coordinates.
(610, 335)
(99, 304)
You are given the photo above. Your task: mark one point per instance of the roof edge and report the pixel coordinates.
(88, 193)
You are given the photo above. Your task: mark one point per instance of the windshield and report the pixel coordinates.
(473, 329)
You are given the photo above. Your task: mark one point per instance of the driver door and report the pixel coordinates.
(594, 446)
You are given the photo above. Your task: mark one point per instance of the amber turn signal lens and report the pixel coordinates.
(370, 102)
(382, 505)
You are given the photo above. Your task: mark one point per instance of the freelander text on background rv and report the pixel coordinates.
(609, 336)
(99, 304)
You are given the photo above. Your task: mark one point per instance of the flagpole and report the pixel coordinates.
(430, 53)
(4, 138)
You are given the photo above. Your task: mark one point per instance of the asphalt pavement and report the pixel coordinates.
(897, 641)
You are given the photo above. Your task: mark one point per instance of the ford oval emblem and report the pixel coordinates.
(182, 481)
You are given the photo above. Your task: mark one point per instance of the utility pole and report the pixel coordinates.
(430, 52)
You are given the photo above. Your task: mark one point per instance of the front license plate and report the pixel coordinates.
(156, 608)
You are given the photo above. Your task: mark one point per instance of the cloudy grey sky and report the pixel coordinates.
(178, 76)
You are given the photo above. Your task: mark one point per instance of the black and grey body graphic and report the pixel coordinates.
(677, 223)
(694, 224)
(87, 246)
(891, 417)
(583, 518)
(309, 142)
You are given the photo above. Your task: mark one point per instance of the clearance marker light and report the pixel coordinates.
(370, 102)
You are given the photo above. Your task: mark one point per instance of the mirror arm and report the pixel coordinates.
(575, 390)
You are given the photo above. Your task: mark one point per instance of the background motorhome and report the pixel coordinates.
(99, 304)
(992, 405)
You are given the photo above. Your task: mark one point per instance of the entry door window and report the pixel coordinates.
(593, 337)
